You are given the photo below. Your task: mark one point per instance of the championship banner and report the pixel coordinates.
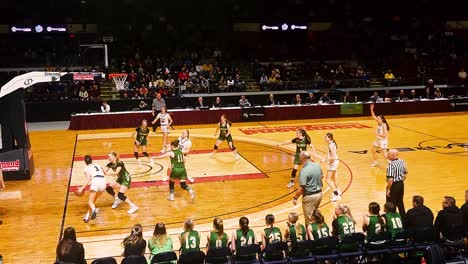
(351, 109)
(253, 113)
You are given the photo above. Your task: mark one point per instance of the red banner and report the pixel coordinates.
(83, 77)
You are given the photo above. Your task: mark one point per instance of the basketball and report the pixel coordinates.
(79, 194)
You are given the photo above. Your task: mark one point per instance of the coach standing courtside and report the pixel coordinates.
(396, 175)
(310, 185)
(158, 103)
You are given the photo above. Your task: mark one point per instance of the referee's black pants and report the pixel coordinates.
(396, 196)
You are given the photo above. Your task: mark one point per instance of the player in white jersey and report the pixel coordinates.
(165, 122)
(382, 136)
(95, 176)
(332, 166)
(185, 144)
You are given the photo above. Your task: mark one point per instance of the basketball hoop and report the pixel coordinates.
(119, 80)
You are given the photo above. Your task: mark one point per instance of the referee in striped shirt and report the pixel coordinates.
(396, 175)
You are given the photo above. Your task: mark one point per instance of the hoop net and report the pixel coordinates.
(119, 80)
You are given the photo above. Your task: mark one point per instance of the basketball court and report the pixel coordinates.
(435, 148)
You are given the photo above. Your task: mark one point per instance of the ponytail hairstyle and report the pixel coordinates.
(218, 226)
(188, 133)
(385, 122)
(244, 225)
(69, 233)
(188, 224)
(318, 217)
(227, 120)
(374, 208)
(292, 220)
(347, 211)
(135, 237)
(330, 136)
(175, 143)
(304, 134)
(117, 156)
(270, 220)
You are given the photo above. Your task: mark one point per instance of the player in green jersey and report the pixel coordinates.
(141, 139)
(317, 228)
(177, 171)
(123, 182)
(393, 221)
(189, 239)
(217, 238)
(224, 128)
(271, 234)
(243, 236)
(373, 223)
(302, 140)
(295, 232)
(344, 223)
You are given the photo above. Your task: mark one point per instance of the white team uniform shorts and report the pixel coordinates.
(381, 143)
(333, 166)
(164, 128)
(98, 184)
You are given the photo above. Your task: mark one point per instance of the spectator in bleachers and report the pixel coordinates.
(393, 221)
(189, 239)
(94, 93)
(340, 73)
(318, 228)
(389, 77)
(200, 103)
(264, 82)
(69, 250)
(438, 94)
(311, 99)
(344, 223)
(239, 84)
(419, 216)
(160, 83)
(464, 210)
(170, 83)
(192, 74)
(448, 220)
(462, 76)
(318, 80)
(160, 242)
(324, 99)
(205, 84)
(373, 222)
(134, 244)
(143, 91)
(105, 107)
(83, 94)
(413, 95)
(217, 103)
(243, 102)
(230, 84)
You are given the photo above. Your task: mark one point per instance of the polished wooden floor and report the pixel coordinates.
(34, 211)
